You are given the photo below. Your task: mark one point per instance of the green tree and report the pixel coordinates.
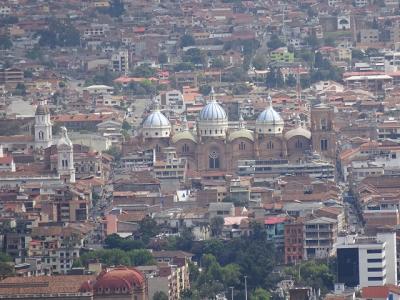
(115, 152)
(187, 40)
(126, 125)
(216, 225)
(116, 8)
(162, 58)
(5, 42)
(160, 296)
(329, 42)
(194, 56)
(34, 53)
(144, 71)
(291, 80)
(141, 257)
(275, 42)
(259, 62)
(20, 89)
(148, 228)
(59, 34)
(260, 294)
(205, 89)
(218, 63)
(357, 54)
(312, 41)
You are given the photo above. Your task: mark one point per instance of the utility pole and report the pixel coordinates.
(245, 286)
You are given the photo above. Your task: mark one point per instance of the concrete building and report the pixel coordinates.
(120, 61)
(368, 261)
(320, 237)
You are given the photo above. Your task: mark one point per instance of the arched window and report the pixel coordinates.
(270, 145)
(158, 149)
(213, 160)
(242, 146)
(41, 135)
(185, 148)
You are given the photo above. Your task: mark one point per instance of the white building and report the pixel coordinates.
(172, 101)
(43, 127)
(120, 61)
(368, 261)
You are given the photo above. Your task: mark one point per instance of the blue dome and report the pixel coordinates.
(213, 112)
(156, 120)
(269, 116)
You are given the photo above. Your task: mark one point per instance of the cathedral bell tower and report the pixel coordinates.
(322, 131)
(42, 127)
(65, 153)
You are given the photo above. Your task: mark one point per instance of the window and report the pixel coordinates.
(380, 278)
(41, 135)
(213, 160)
(299, 144)
(324, 145)
(270, 145)
(375, 269)
(324, 124)
(242, 146)
(374, 260)
(374, 251)
(158, 149)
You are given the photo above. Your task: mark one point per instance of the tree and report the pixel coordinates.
(20, 89)
(217, 63)
(148, 228)
(260, 294)
(291, 80)
(5, 42)
(329, 42)
(141, 257)
(216, 225)
(205, 89)
(160, 296)
(357, 54)
(194, 56)
(187, 40)
(275, 42)
(59, 34)
(115, 152)
(259, 62)
(116, 8)
(144, 71)
(312, 41)
(126, 125)
(162, 58)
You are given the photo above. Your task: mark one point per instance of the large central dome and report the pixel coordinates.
(212, 120)
(213, 111)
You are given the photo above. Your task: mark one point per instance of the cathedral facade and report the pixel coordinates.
(213, 146)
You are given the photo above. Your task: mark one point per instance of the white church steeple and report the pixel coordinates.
(43, 127)
(65, 150)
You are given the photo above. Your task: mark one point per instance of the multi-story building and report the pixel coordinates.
(172, 101)
(368, 261)
(11, 76)
(320, 237)
(120, 61)
(57, 246)
(294, 241)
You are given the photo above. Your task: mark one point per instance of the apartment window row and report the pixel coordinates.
(374, 251)
(375, 269)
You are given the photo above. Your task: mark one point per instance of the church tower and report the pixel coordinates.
(43, 127)
(65, 150)
(322, 131)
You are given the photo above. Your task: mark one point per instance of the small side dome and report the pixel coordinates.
(155, 120)
(156, 125)
(269, 121)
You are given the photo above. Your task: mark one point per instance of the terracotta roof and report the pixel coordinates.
(43, 284)
(16, 139)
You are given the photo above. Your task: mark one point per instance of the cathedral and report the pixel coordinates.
(214, 146)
